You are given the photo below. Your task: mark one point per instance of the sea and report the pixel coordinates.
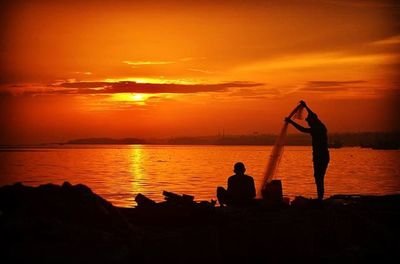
(119, 172)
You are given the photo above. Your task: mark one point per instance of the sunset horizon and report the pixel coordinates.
(72, 70)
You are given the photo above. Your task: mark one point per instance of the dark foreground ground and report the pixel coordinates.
(71, 224)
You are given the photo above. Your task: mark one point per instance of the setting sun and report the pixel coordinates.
(138, 97)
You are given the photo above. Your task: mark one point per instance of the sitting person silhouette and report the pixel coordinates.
(319, 138)
(241, 189)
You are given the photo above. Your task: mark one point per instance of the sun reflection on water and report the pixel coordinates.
(138, 174)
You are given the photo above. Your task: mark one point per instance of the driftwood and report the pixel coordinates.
(170, 198)
(179, 199)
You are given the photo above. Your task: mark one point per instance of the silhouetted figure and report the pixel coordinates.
(241, 189)
(319, 135)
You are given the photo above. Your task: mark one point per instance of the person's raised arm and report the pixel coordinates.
(306, 107)
(297, 126)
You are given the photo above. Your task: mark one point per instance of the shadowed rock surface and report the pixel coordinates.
(71, 224)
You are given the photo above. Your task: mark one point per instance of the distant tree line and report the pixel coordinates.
(389, 140)
(376, 140)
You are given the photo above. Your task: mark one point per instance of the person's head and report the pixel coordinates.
(312, 119)
(239, 168)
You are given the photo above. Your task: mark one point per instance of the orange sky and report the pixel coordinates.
(173, 68)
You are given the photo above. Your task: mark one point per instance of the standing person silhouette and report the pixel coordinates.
(241, 188)
(319, 135)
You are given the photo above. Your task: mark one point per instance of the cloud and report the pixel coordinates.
(201, 71)
(84, 73)
(254, 93)
(393, 40)
(318, 60)
(192, 58)
(364, 3)
(82, 84)
(136, 64)
(151, 88)
(330, 86)
(144, 63)
(334, 83)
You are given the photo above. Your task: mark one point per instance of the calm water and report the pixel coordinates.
(118, 173)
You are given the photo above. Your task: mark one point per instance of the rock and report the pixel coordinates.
(62, 224)
(144, 201)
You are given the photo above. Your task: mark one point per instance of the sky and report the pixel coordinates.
(74, 69)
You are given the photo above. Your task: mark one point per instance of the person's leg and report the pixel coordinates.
(319, 175)
(320, 187)
(319, 179)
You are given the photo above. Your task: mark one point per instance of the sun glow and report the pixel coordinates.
(136, 98)
(152, 80)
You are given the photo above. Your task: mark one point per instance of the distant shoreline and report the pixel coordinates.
(373, 140)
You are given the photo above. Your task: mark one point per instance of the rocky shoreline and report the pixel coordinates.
(71, 224)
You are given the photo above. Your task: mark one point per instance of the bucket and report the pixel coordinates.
(273, 191)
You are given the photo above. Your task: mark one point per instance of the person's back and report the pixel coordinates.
(319, 138)
(241, 188)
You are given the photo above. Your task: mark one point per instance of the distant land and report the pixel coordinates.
(128, 141)
(376, 140)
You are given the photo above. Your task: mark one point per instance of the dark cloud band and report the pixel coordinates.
(133, 87)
